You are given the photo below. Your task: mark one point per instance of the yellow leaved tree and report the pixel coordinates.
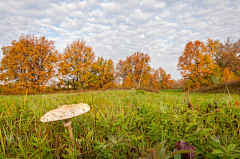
(196, 64)
(134, 70)
(28, 64)
(102, 73)
(75, 65)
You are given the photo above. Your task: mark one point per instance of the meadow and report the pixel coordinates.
(121, 124)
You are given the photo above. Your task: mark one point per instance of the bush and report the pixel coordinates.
(109, 85)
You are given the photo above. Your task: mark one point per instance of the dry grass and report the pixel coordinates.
(233, 87)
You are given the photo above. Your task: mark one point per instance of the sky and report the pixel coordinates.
(117, 29)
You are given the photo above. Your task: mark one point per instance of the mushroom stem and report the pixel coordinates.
(67, 124)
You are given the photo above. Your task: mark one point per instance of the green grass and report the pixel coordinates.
(120, 124)
(173, 90)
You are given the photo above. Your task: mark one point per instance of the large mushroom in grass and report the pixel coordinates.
(64, 113)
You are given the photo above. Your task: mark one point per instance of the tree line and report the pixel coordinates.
(32, 64)
(213, 62)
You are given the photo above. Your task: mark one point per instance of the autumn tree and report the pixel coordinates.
(178, 83)
(197, 63)
(76, 63)
(102, 73)
(28, 63)
(228, 56)
(134, 70)
(227, 75)
(160, 79)
(190, 62)
(216, 75)
(210, 66)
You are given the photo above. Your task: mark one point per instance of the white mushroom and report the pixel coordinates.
(66, 112)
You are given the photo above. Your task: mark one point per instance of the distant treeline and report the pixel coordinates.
(33, 65)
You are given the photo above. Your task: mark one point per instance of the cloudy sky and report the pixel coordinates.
(116, 29)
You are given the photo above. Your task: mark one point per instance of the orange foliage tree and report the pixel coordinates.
(216, 75)
(102, 73)
(28, 63)
(160, 79)
(196, 64)
(75, 65)
(210, 66)
(178, 83)
(228, 56)
(135, 70)
(227, 75)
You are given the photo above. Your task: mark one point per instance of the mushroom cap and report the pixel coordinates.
(65, 112)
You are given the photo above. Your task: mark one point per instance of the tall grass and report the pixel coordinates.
(120, 124)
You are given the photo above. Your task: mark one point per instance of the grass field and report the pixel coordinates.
(120, 124)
